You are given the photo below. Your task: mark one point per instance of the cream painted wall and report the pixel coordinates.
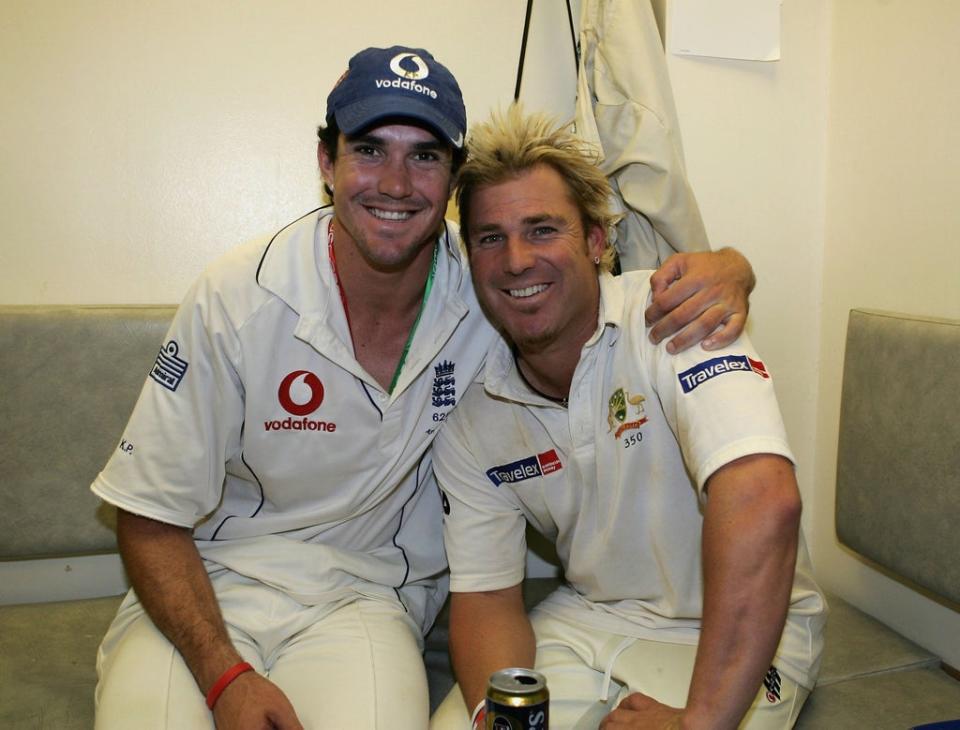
(836, 171)
(140, 140)
(754, 136)
(892, 240)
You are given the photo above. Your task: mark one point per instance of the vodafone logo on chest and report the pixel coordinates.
(300, 394)
(306, 387)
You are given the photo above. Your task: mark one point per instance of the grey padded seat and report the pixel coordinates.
(71, 375)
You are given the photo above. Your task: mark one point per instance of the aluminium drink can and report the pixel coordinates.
(517, 699)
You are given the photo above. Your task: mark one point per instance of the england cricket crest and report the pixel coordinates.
(444, 385)
(618, 410)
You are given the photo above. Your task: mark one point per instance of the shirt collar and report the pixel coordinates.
(501, 377)
(291, 268)
(296, 267)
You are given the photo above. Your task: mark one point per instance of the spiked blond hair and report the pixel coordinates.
(512, 142)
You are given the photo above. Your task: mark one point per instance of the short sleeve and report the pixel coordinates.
(186, 424)
(721, 404)
(484, 529)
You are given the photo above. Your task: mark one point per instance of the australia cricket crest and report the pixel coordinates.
(618, 410)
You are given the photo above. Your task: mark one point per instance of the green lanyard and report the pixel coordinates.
(423, 302)
(413, 330)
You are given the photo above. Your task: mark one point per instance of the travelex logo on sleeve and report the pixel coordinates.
(533, 466)
(709, 369)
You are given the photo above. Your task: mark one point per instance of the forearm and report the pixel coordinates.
(167, 573)
(488, 631)
(749, 554)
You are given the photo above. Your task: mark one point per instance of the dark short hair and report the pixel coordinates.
(328, 136)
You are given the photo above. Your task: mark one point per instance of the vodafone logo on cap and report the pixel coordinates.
(407, 78)
(300, 393)
(421, 71)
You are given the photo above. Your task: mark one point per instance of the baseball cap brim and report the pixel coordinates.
(363, 113)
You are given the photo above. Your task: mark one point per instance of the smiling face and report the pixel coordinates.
(390, 189)
(533, 261)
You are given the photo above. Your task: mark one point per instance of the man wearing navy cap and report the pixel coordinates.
(277, 510)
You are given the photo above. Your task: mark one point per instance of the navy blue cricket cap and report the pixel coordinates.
(381, 83)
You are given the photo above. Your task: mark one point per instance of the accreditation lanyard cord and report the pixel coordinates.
(423, 301)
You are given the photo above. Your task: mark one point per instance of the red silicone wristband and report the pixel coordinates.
(225, 679)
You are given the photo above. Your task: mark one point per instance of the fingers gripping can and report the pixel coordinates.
(517, 699)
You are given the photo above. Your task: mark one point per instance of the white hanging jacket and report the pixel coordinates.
(625, 106)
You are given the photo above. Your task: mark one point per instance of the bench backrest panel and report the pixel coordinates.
(898, 461)
(70, 377)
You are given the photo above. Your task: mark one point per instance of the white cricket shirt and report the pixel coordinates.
(258, 428)
(615, 479)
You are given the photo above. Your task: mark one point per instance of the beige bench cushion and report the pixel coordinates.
(70, 378)
(898, 463)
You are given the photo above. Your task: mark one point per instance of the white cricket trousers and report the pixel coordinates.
(357, 666)
(589, 672)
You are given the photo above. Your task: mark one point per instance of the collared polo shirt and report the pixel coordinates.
(616, 479)
(258, 428)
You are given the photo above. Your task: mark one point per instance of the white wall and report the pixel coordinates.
(892, 239)
(754, 134)
(836, 171)
(139, 140)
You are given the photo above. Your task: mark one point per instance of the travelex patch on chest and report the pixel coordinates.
(527, 468)
(709, 369)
